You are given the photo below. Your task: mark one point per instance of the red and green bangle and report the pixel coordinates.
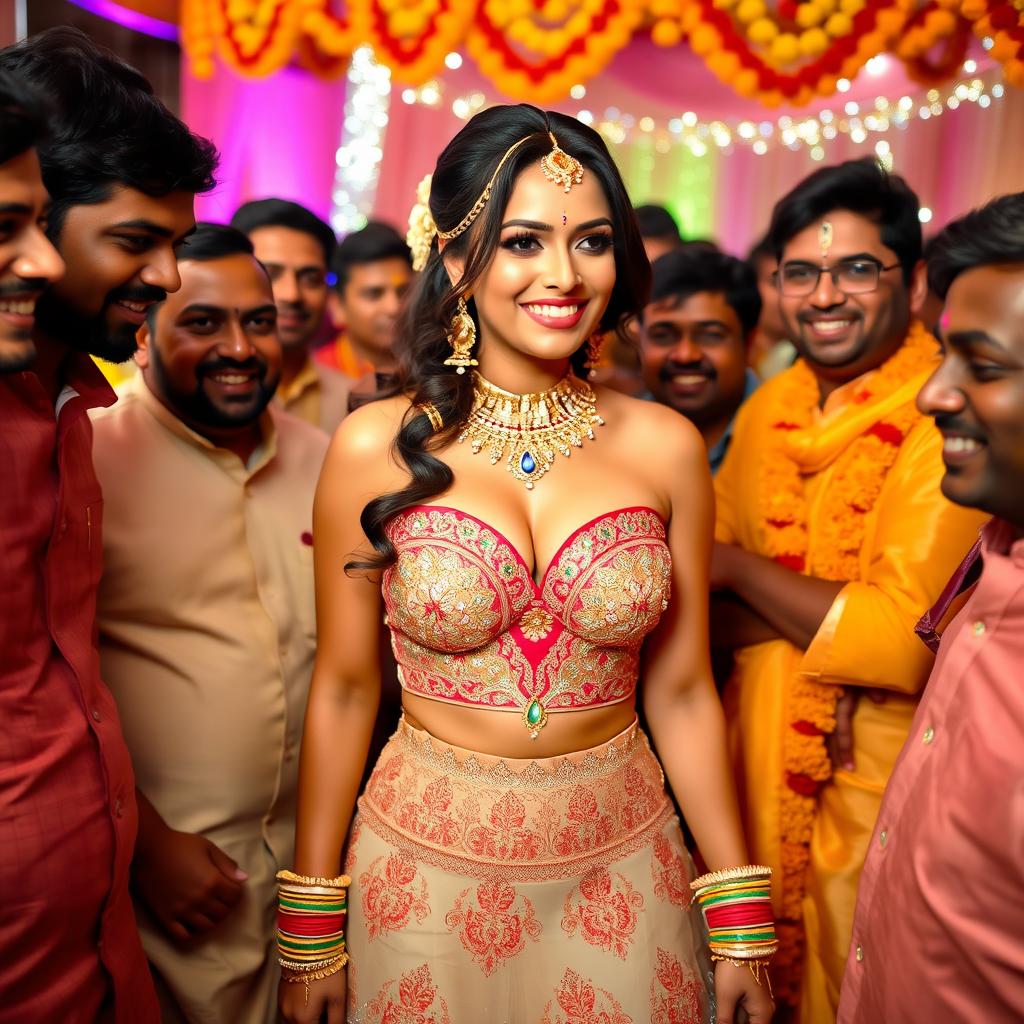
(737, 908)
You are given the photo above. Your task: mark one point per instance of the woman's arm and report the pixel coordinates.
(683, 711)
(345, 690)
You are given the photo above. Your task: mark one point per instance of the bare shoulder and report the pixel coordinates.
(370, 429)
(362, 447)
(663, 435)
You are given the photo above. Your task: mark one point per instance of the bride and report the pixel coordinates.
(514, 856)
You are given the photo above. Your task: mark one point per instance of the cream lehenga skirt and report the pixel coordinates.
(494, 891)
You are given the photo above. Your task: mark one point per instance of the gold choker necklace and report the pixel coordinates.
(531, 428)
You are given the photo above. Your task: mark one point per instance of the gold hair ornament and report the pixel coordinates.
(557, 166)
(421, 232)
(436, 419)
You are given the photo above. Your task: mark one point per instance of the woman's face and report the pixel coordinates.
(553, 272)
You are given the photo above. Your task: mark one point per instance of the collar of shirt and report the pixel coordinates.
(79, 378)
(306, 379)
(716, 453)
(229, 461)
(999, 540)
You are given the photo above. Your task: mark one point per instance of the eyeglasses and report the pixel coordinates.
(851, 277)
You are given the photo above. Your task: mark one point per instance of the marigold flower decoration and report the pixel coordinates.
(854, 487)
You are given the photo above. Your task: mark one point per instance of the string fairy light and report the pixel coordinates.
(857, 121)
(367, 100)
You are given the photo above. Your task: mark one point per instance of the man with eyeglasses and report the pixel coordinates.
(833, 539)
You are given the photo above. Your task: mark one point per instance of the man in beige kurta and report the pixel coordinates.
(207, 639)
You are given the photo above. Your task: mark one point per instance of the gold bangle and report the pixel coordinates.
(341, 882)
(325, 972)
(754, 966)
(741, 874)
(431, 412)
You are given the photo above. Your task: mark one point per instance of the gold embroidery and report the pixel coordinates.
(445, 597)
(623, 596)
(536, 624)
(457, 589)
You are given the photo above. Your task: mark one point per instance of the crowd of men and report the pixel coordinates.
(157, 621)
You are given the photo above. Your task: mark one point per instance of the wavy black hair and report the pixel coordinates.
(23, 116)
(861, 186)
(463, 170)
(107, 128)
(991, 235)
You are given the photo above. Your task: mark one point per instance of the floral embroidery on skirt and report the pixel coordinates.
(551, 891)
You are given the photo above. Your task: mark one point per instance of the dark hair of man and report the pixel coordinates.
(22, 117)
(987, 236)
(762, 249)
(214, 242)
(107, 128)
(656, 222)
(863, 187)
(679, 275)
(377, 241)
(282, 213)
(466, 166)
(207, 242)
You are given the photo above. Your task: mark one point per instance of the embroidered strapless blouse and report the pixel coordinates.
(470, 626)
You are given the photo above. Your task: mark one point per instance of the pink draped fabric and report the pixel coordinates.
(278, 136)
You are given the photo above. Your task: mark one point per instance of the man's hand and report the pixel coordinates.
(840, 740)
(723, 564)
(188, 884)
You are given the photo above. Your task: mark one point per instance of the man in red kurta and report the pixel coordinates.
(940, 913)
(122, 173)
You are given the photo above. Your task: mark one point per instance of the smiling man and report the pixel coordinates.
(297, 247)
(122, 173)
(949, 844)
(28, 260)
(833, 540)
(207, 642)
(693, 340)
(373, 271)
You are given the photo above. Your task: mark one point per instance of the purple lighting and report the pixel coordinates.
(135, 20)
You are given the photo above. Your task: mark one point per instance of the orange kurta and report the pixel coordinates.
(913, 540)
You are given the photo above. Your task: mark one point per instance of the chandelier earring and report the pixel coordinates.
(462, 338)
(595, 346)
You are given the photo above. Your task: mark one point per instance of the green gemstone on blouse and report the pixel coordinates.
(533, 712)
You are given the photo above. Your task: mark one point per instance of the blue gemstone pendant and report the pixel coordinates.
(527, 464)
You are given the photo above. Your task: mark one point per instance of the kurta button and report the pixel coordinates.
(883, 838)
(859, 954)
(978, 629)
(928, 735)
(95, 715)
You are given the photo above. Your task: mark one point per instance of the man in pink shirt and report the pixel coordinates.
(939, 928)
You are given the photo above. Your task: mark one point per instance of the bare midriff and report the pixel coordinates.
(502, 733)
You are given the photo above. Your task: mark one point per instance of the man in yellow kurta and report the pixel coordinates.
(833, 540)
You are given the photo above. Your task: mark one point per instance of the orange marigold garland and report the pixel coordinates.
(853, 490)
(1003, 23)
(713, 34)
